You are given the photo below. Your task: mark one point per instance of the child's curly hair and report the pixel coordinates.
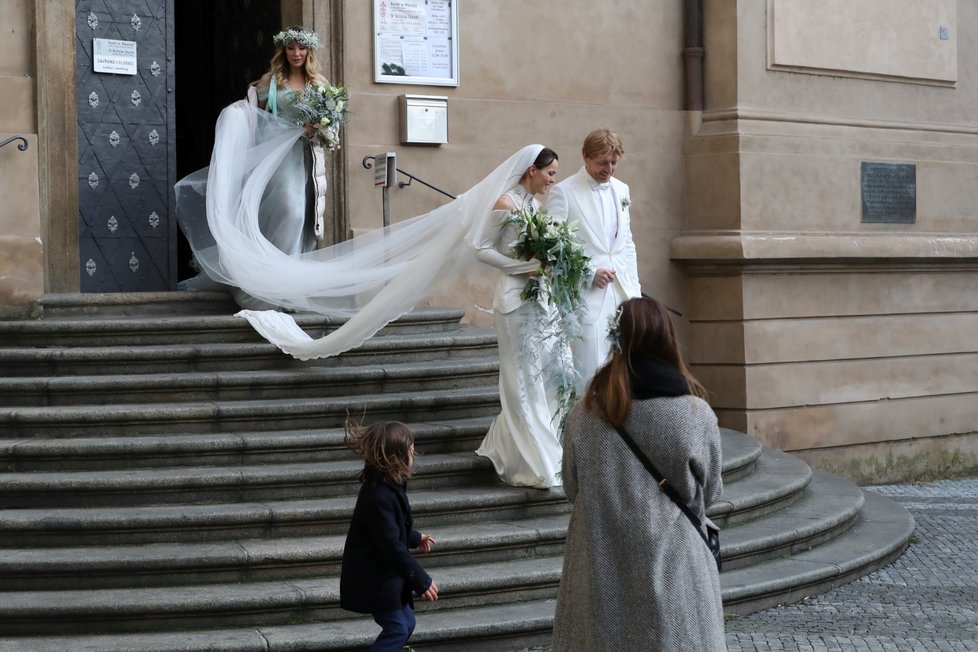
(385, 447)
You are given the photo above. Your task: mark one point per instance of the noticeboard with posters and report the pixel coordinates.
(415, 42)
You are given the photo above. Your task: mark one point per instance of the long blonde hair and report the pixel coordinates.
(280, 63)
(644, 327)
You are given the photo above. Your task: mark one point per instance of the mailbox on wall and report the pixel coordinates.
(424, 119)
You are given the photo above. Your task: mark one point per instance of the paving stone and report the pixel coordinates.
(926, 600)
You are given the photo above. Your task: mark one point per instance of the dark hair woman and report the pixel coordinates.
(637, 575)
(522, 442)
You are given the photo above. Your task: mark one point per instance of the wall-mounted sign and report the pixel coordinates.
(416, 42)
(889, 192)
(117, 57)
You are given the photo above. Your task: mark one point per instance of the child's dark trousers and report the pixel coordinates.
(397, 625)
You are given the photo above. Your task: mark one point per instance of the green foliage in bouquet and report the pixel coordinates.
(564, 265)
(325, 107)
(564, 271)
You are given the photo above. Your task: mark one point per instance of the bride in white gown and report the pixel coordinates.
(522, 442)
(372, 279)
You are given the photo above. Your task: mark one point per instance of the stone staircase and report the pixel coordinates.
(169, 481)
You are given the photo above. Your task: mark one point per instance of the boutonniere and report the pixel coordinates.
(625, 202)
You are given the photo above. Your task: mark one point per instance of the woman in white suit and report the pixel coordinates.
(599, 203)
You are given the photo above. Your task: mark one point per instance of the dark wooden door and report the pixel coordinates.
(221, 47)
(126, 149)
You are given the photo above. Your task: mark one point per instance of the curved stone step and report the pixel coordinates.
(182, 564)
(266, 603)
(139, 329)
(879, 535)
(51, 527)
(883, 531)
(206, 386)
(219, 449)
(231, 416)
(184, 357)
(517, 626)
(827, 510)
(777, 480)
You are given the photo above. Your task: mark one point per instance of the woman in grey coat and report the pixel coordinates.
(637, 575)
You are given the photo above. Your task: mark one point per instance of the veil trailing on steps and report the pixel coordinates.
(375, 278)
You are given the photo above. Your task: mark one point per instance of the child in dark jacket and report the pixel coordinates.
(379, 574)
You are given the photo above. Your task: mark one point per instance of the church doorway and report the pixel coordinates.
(221, 47)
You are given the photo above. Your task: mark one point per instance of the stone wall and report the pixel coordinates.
(847, 342)
(21, 254)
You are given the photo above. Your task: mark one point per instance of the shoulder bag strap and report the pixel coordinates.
(664, 484)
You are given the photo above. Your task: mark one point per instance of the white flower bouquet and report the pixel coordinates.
(325, 108)
(564, 272)
(564, 265)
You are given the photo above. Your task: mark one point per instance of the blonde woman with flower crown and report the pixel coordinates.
(289, 217)
(290, 213)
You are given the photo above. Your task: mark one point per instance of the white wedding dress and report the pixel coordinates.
(371, 279)
(522, 442)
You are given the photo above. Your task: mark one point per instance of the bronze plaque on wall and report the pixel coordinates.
(889, 192)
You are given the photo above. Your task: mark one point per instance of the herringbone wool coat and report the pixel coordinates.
(636, 574)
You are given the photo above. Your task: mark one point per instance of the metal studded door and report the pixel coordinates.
(126, 157)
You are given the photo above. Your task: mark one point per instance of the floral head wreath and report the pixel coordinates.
(301, 37)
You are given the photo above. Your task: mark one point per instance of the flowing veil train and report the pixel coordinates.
(375, 278)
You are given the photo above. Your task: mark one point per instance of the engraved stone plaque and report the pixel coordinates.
(889, 192)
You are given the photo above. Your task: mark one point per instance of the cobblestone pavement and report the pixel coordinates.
(925, 600)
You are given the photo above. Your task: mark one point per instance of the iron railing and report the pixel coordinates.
(23, 142)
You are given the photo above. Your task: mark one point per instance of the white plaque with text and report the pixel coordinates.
(117, 57)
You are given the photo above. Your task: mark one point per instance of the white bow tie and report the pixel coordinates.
(601, 186)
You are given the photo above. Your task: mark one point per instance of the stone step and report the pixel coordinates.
(249, 385)
(98, 567)
(776, 483)
(103, 305)
(141, 329)
(220, 449)
(879, 535)
(828, 509)
(881, 532)
(243, 356)
(232, 416)
(258, 603)
(496, 628)
(208, 484)
(97, 526)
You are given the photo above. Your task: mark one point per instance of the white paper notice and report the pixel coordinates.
(389, 50)
(439, 19)
(439, 58)
(415, 53)
(403, 17)
(118, 57)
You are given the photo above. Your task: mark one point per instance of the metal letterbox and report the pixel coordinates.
(424, 119)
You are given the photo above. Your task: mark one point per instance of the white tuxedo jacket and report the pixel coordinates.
(573, 200)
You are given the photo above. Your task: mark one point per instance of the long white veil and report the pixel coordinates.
(376, 277)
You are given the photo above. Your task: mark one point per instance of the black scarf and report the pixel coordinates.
(654, 378)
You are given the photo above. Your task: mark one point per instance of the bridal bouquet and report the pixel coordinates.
(561, 254)
(565, 269)
(324, 107)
